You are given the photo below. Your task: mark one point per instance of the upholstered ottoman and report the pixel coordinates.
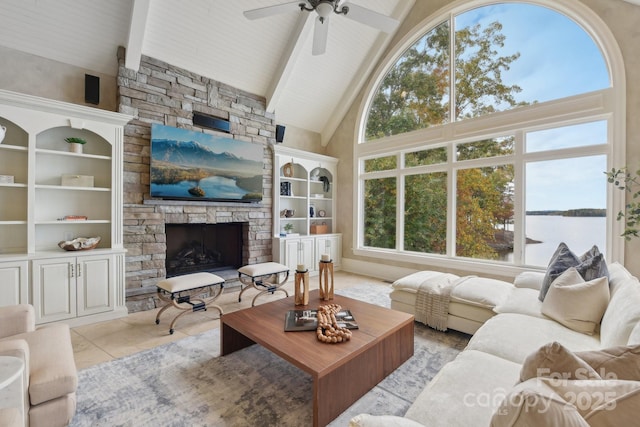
(471, 299)
(264, 277)
(179, 291)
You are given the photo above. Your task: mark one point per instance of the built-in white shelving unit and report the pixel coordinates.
(305, 199)
(78, 286)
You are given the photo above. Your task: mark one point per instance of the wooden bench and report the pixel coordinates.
(264, 277)
(179, 291)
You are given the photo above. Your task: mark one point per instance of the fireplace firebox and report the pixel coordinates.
(203, 247)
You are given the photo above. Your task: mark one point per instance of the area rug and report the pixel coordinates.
(186, 383)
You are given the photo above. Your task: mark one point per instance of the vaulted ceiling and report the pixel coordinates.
(270, 57)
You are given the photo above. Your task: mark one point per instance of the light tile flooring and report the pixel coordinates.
(104, 341)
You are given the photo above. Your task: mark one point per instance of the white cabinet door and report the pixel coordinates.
(94, 279)
(331, 245)
(299, 251)
(54, 289)
(13, 283)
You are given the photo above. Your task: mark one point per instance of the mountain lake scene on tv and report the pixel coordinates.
(192, 165)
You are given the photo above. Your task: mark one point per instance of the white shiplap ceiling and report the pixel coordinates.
(270, 57)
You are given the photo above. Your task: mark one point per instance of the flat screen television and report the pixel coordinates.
(190, 165)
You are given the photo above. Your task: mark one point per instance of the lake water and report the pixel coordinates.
(579, 233)
(216, 187)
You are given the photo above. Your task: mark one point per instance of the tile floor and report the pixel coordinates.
(104, 341)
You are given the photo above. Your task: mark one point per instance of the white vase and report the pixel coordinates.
(75, 148)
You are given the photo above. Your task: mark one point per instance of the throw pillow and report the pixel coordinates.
(592, 268)
(615, 363)
(555, 361)
(562, 259)
(534, 403)
(590, 265)
(577, 304)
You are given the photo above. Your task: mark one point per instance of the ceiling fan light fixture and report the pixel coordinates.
(324, 9)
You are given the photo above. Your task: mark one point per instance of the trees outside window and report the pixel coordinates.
(463, 133)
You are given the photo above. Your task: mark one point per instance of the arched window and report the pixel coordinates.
(487, 137)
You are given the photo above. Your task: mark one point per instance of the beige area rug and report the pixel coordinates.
(186, 383)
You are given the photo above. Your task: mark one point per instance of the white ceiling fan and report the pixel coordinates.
(324, 8)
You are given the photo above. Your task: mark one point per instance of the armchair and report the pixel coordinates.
(50, 375)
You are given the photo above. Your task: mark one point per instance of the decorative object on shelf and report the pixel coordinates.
(288, 227)
(74, 218)
(288, 213)
(68, 180)
(315, 174)
(80, 243)
(319, 228)
(75, 144)
(301, 296)
(322, 213)
(285, 188)
(6, 179)
(326, 185)
(312, 211)
(318, 195)
(287, 170)
(326, 273)
(3, 132)
(328, 329)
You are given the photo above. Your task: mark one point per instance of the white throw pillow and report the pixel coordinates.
(529, 279)
(577, 304)
(534, 403)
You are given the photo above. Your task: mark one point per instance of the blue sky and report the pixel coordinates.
(557, 59)
(247, 150)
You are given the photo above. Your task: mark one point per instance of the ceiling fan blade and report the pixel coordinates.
(371, 18)
(264, 12)
(320, 34)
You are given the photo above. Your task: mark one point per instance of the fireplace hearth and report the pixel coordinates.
(203, 247)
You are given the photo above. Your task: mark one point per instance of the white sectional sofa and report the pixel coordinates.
(483, 386)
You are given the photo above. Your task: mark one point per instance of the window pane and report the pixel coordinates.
(380, 213)
(426, 157)
(381, 164)
(487, 148)
(415, 92)
(562, 198)
(484, 208)
(581, 135)
(506, 58)
(425, 213)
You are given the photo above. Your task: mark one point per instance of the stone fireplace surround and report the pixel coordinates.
(161, 93)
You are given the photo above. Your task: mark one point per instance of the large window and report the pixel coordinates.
(482, 141)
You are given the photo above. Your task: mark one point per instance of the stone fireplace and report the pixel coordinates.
(204, 247)
(162, 93)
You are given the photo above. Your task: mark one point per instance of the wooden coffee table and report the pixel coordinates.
(341, 373)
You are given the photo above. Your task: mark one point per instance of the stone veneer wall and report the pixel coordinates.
(164, 94)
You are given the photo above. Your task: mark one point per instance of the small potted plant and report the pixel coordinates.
(288, 228)
(75, 144)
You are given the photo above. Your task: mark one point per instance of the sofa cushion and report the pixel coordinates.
(529, 279)
(622, 363)
(576, 303)
(534, 403)
(481, 291)
(465, 392)
(523, 301)
(367, 420)
(52, 366)
(622, 314)
(413, 281)
(556, 361)
(606, 395)
(514, 336)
